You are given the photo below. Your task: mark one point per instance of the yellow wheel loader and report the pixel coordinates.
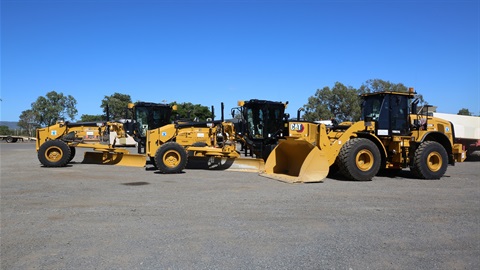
(390, 136)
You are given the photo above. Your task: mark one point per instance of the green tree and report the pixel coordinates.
(340, 102)
(191, 111)
(378, 85)
(4, 130)
(54, 107)
(92, 118)
(464, 111)
(117, 105)
(28, 121)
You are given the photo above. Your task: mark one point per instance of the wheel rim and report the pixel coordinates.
(171, 159)
(434, 161)
(53, 154)
(364, 160)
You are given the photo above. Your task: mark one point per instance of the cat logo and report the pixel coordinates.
(297, 127)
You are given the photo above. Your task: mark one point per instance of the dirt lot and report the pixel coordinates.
(111, 217)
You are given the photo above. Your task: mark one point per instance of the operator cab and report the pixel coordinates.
(147, 116)
(262, 124)
(150, 116)
(390, 111)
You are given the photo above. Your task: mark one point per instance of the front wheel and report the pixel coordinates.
(359, 159)
(171, 158)
(54, 153)
(430, 161)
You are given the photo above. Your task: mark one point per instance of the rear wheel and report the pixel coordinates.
(11, 140)
(430, 161)
(171, 158)
(359, 159)
(54, 153)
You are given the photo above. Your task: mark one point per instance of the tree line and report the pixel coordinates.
(338, 102)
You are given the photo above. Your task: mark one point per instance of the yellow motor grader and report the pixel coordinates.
(391, 136)
(56, 144)
(206, 145)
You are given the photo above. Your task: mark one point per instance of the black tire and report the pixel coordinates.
(430, 161)
(73, 151)
(9, 139)
(333, 170)
(359, 159)
(54, 153)
(153, 162)
(171, 158)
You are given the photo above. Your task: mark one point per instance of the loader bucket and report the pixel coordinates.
(227, 164)
(114, 158)
(296, 161)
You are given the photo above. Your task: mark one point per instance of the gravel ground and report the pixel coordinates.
(111, 217)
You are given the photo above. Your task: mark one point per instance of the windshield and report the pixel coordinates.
(264, 122)
(371, 107)
(151, 117)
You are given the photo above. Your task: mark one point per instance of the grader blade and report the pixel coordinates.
(114, 158)
(248, 165)
(296, 161)
(226, 164)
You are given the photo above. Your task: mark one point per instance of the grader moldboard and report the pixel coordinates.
(390, 136)
(169, 146)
